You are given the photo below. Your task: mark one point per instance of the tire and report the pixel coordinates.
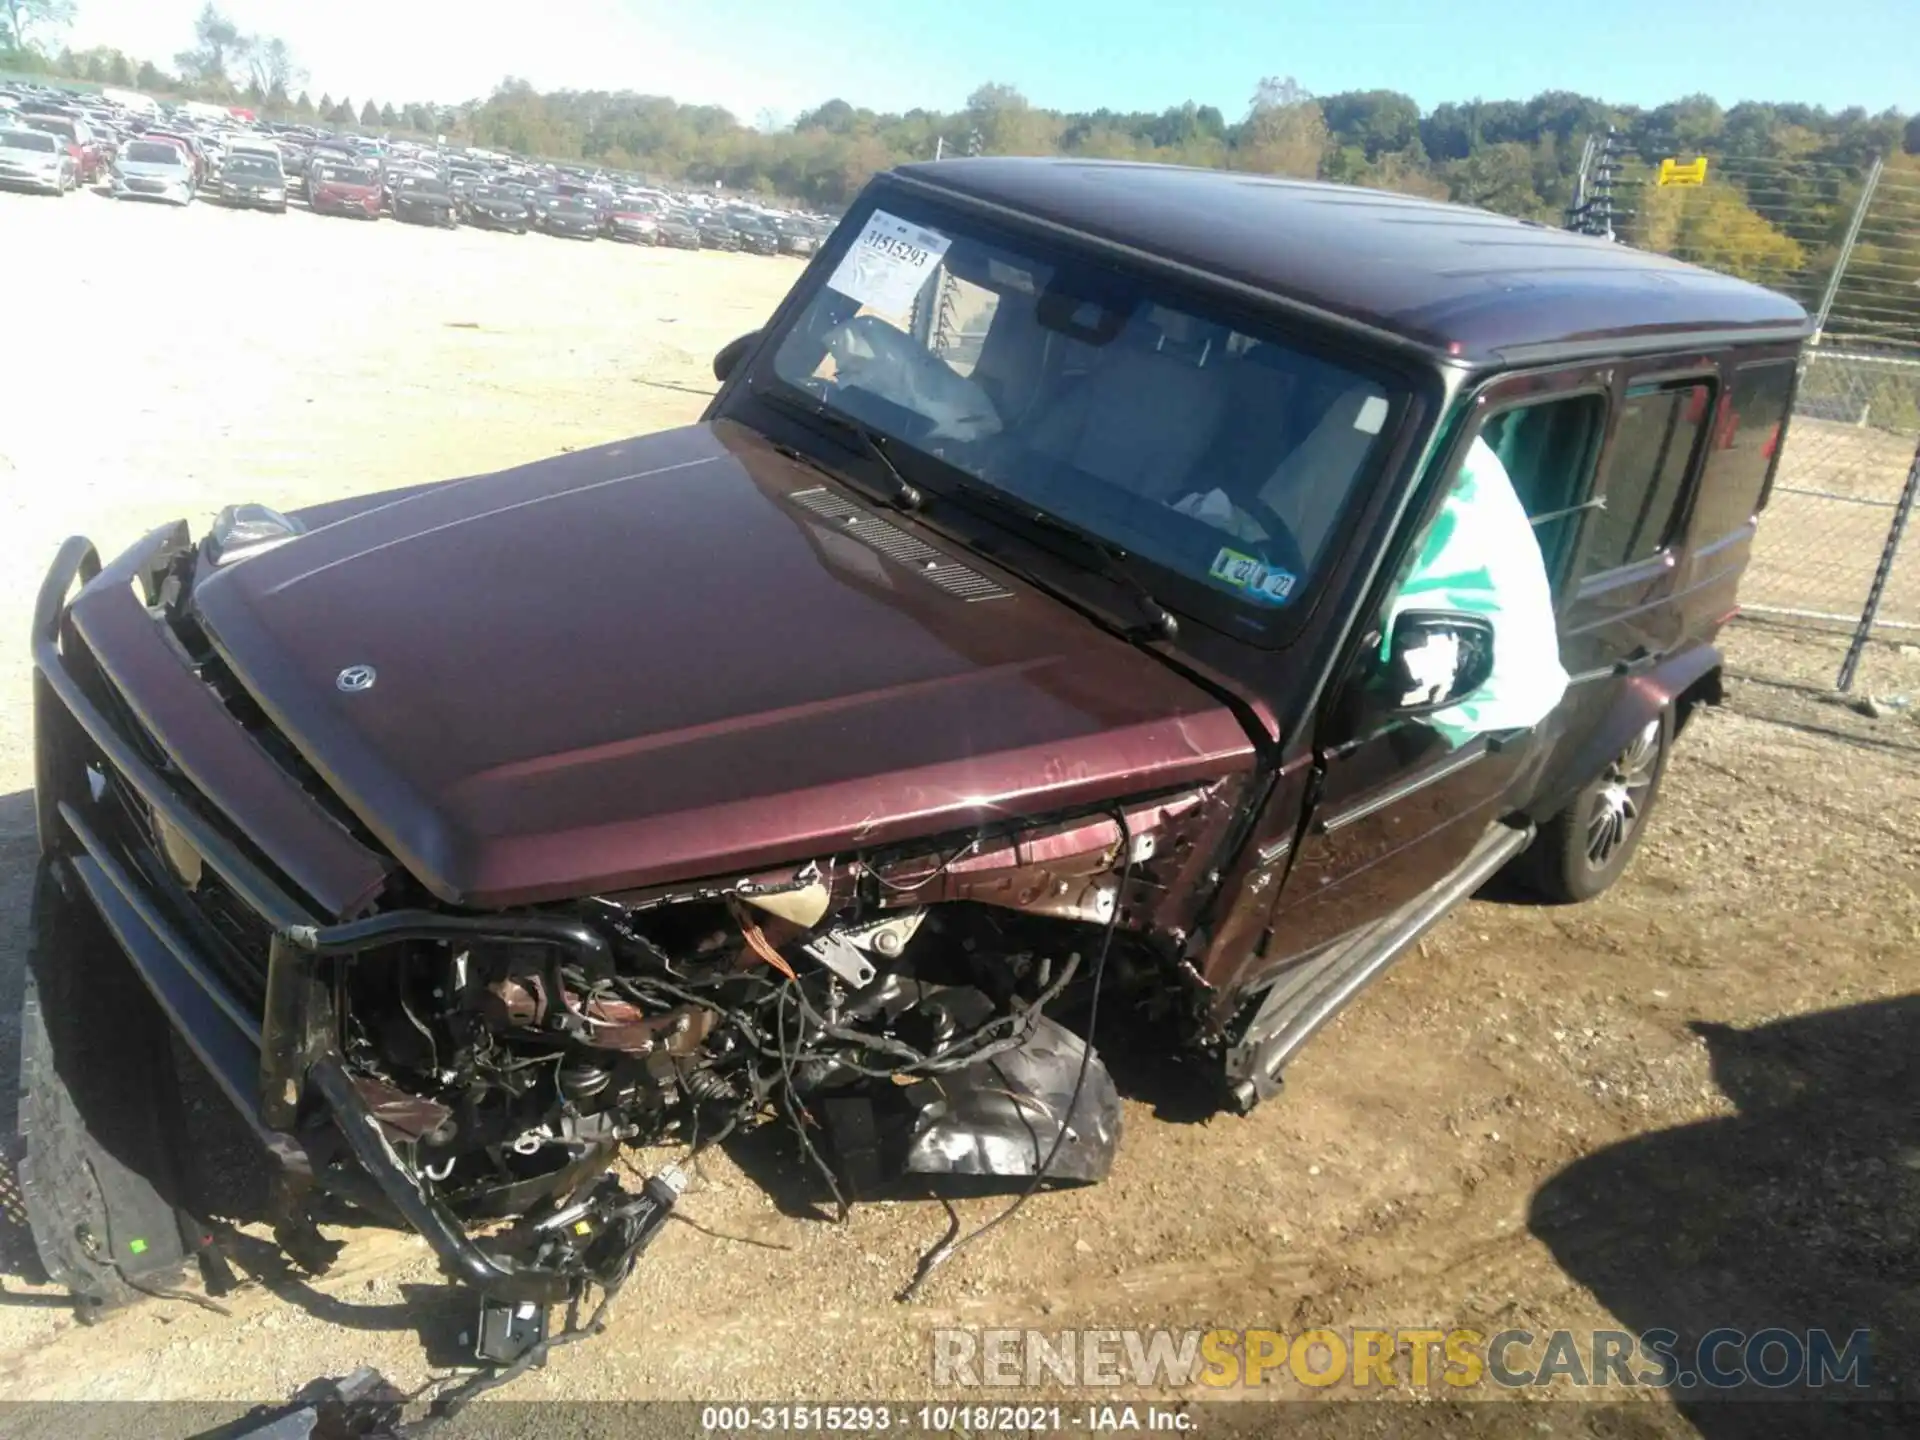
(98, 1108)
(1581, 851)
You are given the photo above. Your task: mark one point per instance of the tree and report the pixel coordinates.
(1400, 172)
(1689, 126)
(269, 63)
(370, 115)
(326, 107)
(1496, 177)
(1008, 124)
(343, 113)
(835, 116)
(217, 44)
(1712, 225)
(303, 107)
(1284, 132)
(1377, 121)
(148, 77)
(388, 118)
(29, 24)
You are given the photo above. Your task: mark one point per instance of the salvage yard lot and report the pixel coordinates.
(156, 364)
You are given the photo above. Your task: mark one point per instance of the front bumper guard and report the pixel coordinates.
(269, 1067)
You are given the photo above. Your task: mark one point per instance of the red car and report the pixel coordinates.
(343, 187)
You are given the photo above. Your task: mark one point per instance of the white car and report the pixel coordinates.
(35, 160)
(242, 144)
(150, 170)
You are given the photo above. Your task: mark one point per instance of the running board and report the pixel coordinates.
(1313, 992)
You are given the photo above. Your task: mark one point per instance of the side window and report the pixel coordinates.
(1747, 431)
(1653, 451)
(1548, 450)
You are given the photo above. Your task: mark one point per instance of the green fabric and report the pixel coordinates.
(1480, 556)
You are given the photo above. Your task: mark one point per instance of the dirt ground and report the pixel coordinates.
(1691, 1103)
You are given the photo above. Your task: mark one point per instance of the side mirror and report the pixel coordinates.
(731, 353)
(1435, 659)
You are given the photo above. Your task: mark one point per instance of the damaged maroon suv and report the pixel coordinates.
(1003, 649)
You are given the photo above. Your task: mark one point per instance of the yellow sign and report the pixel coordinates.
(1694, 172)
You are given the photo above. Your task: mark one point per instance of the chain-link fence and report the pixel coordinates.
(1837, 494)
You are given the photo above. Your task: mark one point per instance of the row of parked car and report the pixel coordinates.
(54, 141)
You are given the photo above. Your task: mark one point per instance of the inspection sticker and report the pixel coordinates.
(1258, 579)
(888, 263)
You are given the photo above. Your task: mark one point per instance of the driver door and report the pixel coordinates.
(1399, 807)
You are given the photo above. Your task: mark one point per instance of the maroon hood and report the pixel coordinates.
(654, 661)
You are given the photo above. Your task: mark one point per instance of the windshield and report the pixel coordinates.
(147, 152)
(1223, 451)
(253, 165)
(26, 140)
(343, 174)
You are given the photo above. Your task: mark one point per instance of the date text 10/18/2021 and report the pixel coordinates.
(963, 1418)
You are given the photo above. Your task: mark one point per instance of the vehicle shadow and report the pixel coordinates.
(441, 1315)
(19, 854)
(224, 1178)
(1801, 1212)
(1180, 1088)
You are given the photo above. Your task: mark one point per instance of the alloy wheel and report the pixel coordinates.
(1623, 795)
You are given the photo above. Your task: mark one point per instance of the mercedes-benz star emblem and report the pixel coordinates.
(355, 678)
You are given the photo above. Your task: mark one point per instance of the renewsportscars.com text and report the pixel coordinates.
(1417, 1359)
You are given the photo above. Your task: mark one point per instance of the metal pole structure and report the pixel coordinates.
(1577, 206)
(1888, 552)
(1846, 247)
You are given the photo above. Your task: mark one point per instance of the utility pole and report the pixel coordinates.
(1592, 211)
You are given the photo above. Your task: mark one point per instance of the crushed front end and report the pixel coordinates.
(900, 1009)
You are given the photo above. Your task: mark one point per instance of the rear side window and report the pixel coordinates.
(1653, 449)
(1745, 445)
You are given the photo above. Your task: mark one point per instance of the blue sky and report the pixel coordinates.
(786, 55)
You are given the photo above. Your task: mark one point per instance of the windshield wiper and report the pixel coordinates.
(1110, 560)
(905, 495)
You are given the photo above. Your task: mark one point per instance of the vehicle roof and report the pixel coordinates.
(1462, 283)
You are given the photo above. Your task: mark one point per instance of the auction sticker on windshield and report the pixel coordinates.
(888, 263)
(1253, 577)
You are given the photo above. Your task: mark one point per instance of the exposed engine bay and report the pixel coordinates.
(892, 1010)
(471, 1064)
